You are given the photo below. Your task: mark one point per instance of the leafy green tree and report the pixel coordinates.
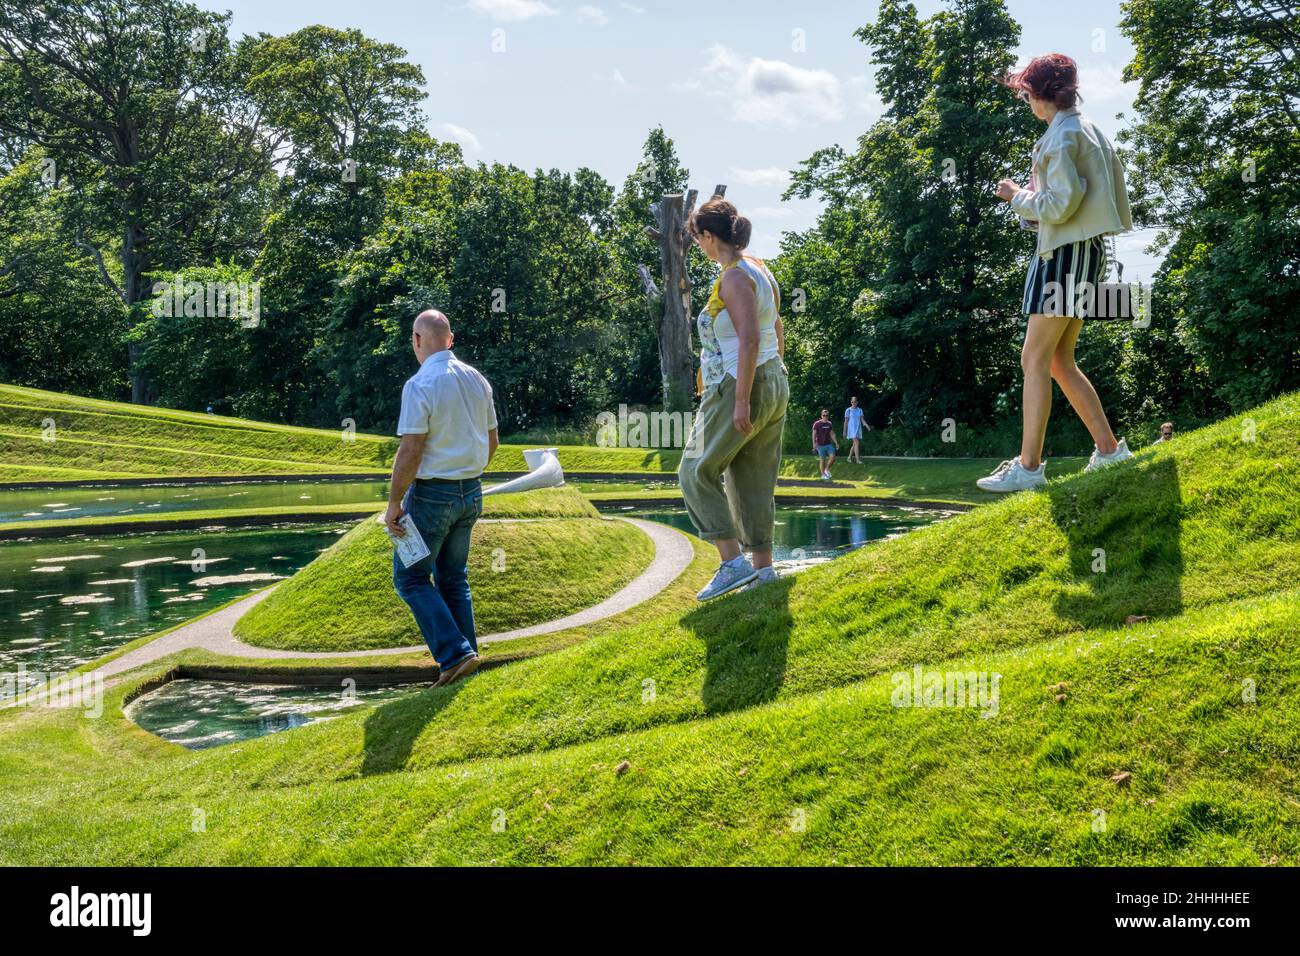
(140, 107)
(197, 338)
(60, 327)
(515, 263)
(934, 264)
(1216, 149)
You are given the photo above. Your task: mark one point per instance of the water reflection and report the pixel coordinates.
(66, 602)
(162, 498)
(203, 713)
(810, 534)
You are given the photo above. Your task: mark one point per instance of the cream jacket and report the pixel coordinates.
(1080, 185)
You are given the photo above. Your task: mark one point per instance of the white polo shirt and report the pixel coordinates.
(451, 403)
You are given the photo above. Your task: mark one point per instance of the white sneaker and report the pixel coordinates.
(762, 576)
(731, 575)
(1013, 476)
(1098, 461)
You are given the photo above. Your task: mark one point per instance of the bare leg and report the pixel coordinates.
(1083, 397)
(728, 548)
(1041, 339)
(761, 559)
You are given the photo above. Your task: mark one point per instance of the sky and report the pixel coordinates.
(747, 91)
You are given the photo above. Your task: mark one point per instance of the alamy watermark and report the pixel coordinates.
(208, 300)
(630, 429)
(1099, 300)
(922, 688)
(53, 689)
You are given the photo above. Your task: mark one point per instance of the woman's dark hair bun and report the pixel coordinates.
(720, 217)
(741, 229)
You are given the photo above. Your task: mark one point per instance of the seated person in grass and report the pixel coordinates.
(1166, 433)
(825, 444)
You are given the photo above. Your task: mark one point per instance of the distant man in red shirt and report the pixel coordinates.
(825, 444)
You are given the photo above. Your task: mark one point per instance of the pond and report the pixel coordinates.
(811, 534)
(162, 498)
(68, 601)
(206, 713)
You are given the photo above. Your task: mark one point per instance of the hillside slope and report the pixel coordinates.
(52, 436)
(763, 727)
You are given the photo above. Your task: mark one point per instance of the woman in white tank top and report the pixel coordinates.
(744, 391)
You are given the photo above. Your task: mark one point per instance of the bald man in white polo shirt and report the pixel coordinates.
(449, 432)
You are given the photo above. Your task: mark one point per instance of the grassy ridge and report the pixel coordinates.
(1014, 575)
(839, 777)
(103, 440)
(98, 439)
(766, 731)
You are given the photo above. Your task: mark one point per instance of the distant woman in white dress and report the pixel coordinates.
(854, 423)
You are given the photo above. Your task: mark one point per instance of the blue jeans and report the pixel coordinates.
(445, 516)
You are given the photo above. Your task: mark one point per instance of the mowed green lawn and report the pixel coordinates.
(762, 728)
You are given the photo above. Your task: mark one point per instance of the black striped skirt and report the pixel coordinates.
(1070, 282)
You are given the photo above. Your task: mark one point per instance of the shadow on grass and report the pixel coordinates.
(391, 730)
(1124, 529)
(746, 638)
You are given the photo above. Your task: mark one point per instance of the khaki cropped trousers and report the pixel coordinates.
(727, 477)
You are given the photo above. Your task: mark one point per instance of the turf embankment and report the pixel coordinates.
(522, 570)
(49, 436)
(763, 727)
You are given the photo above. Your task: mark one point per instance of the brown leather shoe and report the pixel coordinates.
(466, 667)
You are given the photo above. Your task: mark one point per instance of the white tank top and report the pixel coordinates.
(719, 343)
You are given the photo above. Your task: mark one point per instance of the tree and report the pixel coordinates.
(1216, 149)
(139, 107)
(934, 264)
(640, 378)
(60, 327)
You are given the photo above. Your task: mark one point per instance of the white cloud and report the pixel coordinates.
(615, 79)
(767, 176)
(632, 8)
(459, 134)
(1104, 91)
(771, 92)
(589, 14)
(508, 11)
(862, 95)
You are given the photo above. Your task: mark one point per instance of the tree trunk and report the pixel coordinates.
(134, 265)
(672, 308)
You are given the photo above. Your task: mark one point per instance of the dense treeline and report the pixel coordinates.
(144, 149)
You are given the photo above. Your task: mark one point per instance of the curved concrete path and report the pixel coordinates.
(673, 555)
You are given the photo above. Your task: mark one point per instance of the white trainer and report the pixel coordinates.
(1098, 461)
(1013, 476)
(731, 575)
(762, 576)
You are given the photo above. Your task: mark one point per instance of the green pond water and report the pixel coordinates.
(205, 713)
(808, 534)
(120, 500)
(65, 602)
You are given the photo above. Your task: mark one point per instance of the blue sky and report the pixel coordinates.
(746, 90)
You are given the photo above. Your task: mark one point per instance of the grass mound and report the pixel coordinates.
(522, 570)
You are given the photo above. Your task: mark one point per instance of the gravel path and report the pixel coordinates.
(673, 554)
